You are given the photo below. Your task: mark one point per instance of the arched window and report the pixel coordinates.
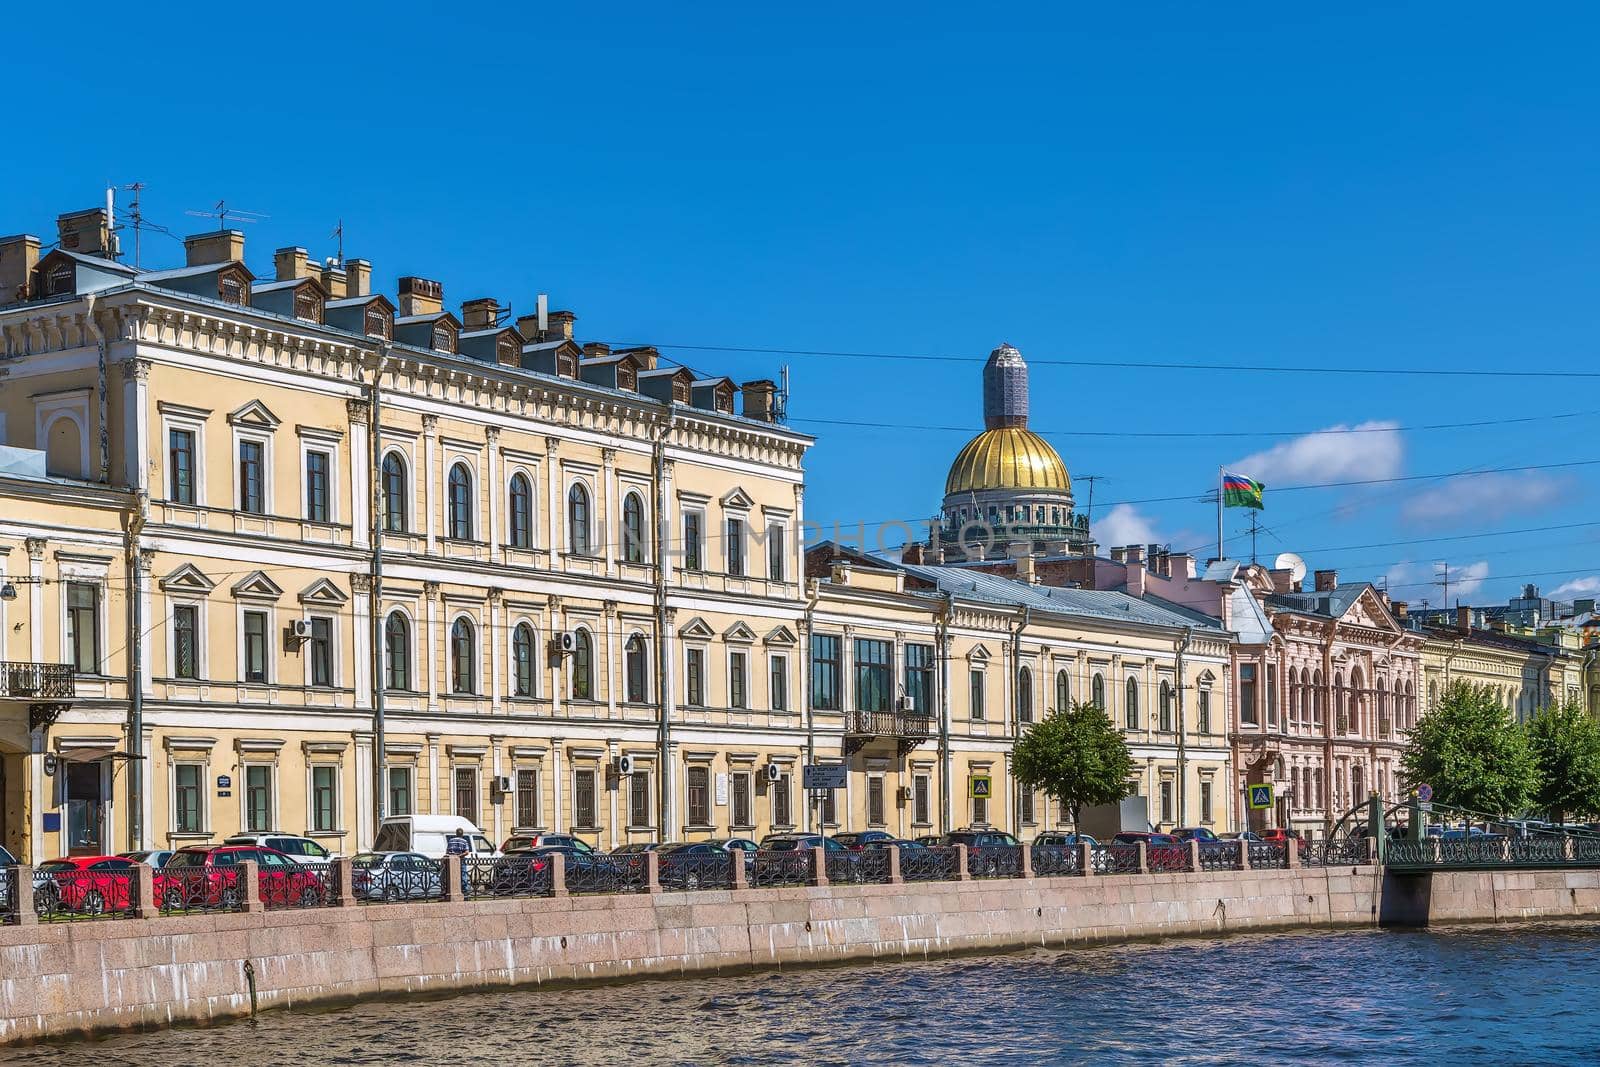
(1024, 695)
(1166, 707)
(1319, 702)
(394, 493)
(583, 666)
(397, 651)
(1097, 691)
(1063, 691)
(522, 660)
(519, 513)
(633, 528)
(578, 520)
(462, 675)
(1133, 704)
(635, 664)
(460, 503)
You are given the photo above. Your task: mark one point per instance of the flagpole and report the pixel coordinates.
(1219, 513)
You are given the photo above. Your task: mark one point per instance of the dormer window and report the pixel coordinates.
(724, 400)
(626, 378)
(680, 391)
(59, 281)
(306, 306)
(566, 366)
(379, 323)
(444, 338)
(231, 288)
(507, 351)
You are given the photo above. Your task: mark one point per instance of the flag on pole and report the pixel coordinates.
(1239, 491)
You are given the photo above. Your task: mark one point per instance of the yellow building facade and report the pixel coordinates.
(1528, 669)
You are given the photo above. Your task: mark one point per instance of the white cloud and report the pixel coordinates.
(1330, 455)
(1124, 525)
(1482, 496)
(1578, 587)
(1418, 581)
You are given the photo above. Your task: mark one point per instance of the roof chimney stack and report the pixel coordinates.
(1327, 581)
(760, 400)
(214, 246)
(420, 296)
(1464, 618)
(480, 314)
(87, 232)
(18, 256)
(291, 264)
(358, 277)
(560, 326)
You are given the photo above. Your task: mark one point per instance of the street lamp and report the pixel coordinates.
(8, 592)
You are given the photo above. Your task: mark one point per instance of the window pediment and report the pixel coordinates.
(782, 636)
(739, 632)
(323, 591)
(979, 654)
(256, 586)
(255, 414)
(187, 579)
(738, 499)
(697, 629)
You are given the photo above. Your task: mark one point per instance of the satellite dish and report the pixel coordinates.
(1292, 563)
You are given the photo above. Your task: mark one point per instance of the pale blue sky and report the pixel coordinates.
(1373, 186)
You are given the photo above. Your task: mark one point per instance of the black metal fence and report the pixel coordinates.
(935, 863)
(68, 892)
(1219, 855)
(299, 885)
(692, 871)
(994, 861)
(396, 879)
(1335, 852)
(37, 681)
(1051, 861)
(10, 895)
(782, 868)
(867, 866)
(519, 874)
(1116, 859)
(197, 890)
(1269, 855)
(1166, 859)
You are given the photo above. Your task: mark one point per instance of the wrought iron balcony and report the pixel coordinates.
(907, 729)
(37, 681)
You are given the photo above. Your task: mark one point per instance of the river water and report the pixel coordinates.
(1525, 994)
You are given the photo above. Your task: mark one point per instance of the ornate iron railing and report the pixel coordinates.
(936, 863)
(1052, 861)
(196, 890)
(10, 894)
(1339, 852)
(994, 861)
(688, 871)
(396, 880)
(1269, 855)
(302, 885)
(1116, 859)
(867, 866)
(1167, 859)
(1494, 850)
(904, 724)
(1219, 855)
(519, 874)
(76, 893)
(792, 867)
(37, 681)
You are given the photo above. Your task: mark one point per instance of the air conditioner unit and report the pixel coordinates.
(501, 784)
(564, 642)
(300, 629)
(903, 793)
(772, 772)
(906, 703)
(624, 764)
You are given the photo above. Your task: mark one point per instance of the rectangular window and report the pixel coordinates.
(1025, 802)
(920, 796)
(187, 782)
(1272, 695)
(258, 799)
(782, 814)
(83, 627)
(775, 552)
(1247, 693)
(919, 678)
(778, 683)
(980, 811)
(527, 798)
(255, 646)
(694, 680)
(1203, 723)
(400, 791)
(185, 641)
(975, 679)
(317, 464)
(180, 466)
(738, 680)
(583, 800)
(874, 674)
(736, 547)
(1166, 802)
(875, 801)
(320, 651)
(324, 799)
(743, 787)
(1205, 801)
(825, 672)
(252, 477)
(693, 526)
(698, 780)
(830, 808)
(466, 779)
(639, 798)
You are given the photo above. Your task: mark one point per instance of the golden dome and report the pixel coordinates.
(1007, 457)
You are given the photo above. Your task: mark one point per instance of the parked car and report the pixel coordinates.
(529, 870)
(856, 840)
(1242, 835)
(209, 877)
(1277, 835)
(796, 842)
(155, 857)
(1201, 834)
(636, 848)
(395, 876)
(930, 840)
(1056, 839)
(299, 849)
(901, 843)
(523, 842)
(427, 834)
(1151, 839)
(691, 864)
(92, 885)
(974, 838)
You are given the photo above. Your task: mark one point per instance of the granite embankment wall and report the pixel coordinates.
(77, 977)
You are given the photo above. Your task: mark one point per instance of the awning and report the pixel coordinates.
(92, 755)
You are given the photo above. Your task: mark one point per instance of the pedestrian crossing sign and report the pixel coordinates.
(979, 786)
(1260, 796)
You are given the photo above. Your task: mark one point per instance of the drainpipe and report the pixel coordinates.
(1016, 714)
(1183, 753)
(805, 695)
(942, 634)
(658, 467)
(135, 609)
(380, 752)
(104, 477)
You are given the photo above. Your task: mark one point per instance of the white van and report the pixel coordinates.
(427, 834)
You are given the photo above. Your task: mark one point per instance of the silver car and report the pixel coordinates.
(395, 876)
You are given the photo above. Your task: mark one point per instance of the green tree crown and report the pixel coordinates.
(1565, 742)
(1076, 756)
(1473, 754)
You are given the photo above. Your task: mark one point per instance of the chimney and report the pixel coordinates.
(560, 326)
(1327, 581)
(217, 246)
(1463, 617)
(1402, 610)
(913, 553)
(358, 275)
(1119, 555)
(333, 281)
(1135, 554)
(1135, 578)
(596, 350)
(840, 572)
(760, 398)
(480, 314)
(420, 296)
(291, 263)
(18, 256)
(88, 232)
(1025, 570)
(1180, 566)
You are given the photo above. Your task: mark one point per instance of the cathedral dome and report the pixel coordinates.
(1007, 457)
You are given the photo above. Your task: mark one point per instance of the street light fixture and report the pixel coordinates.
(8, 592)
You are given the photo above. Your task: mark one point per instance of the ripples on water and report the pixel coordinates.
(1506, 994)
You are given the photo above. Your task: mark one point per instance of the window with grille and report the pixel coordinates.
(185, 641)
(639, 798)
(875, 801)
(444, 338)
(698, 782)
(466, 783)
(378, 322)
(920, 796)
(583, 800)
(1025, 803)
(781, 812)
(743, 788)
(527, 797)
(307, 307)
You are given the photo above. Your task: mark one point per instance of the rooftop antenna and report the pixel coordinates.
(1255, 528)
(1088, 511)
(222, 213)
(781, 407)
(541, 306)
(1443, 571)
(338, 235)
(137, 218)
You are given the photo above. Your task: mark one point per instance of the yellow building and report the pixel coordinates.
(1528, 668)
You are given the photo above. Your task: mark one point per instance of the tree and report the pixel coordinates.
(1076, 756)
(1473, 754)
(1565, 743)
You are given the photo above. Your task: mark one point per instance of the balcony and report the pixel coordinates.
(907, 729)
(47, 689)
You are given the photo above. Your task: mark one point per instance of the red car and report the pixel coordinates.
(92, 885)
(1277, 835)
(209, 878)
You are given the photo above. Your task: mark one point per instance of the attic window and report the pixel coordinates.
(307, 306)
(507, 351)
(724, 398)
(378, 323)
(680, 391)
(444, 339)
(626, 378)
(566, 366)
(231, 288)
(59, 281)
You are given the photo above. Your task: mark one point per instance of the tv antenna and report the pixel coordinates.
(1088, 511)
(338, 235)
(780, 411)
(222, 213)
(1442, 570)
